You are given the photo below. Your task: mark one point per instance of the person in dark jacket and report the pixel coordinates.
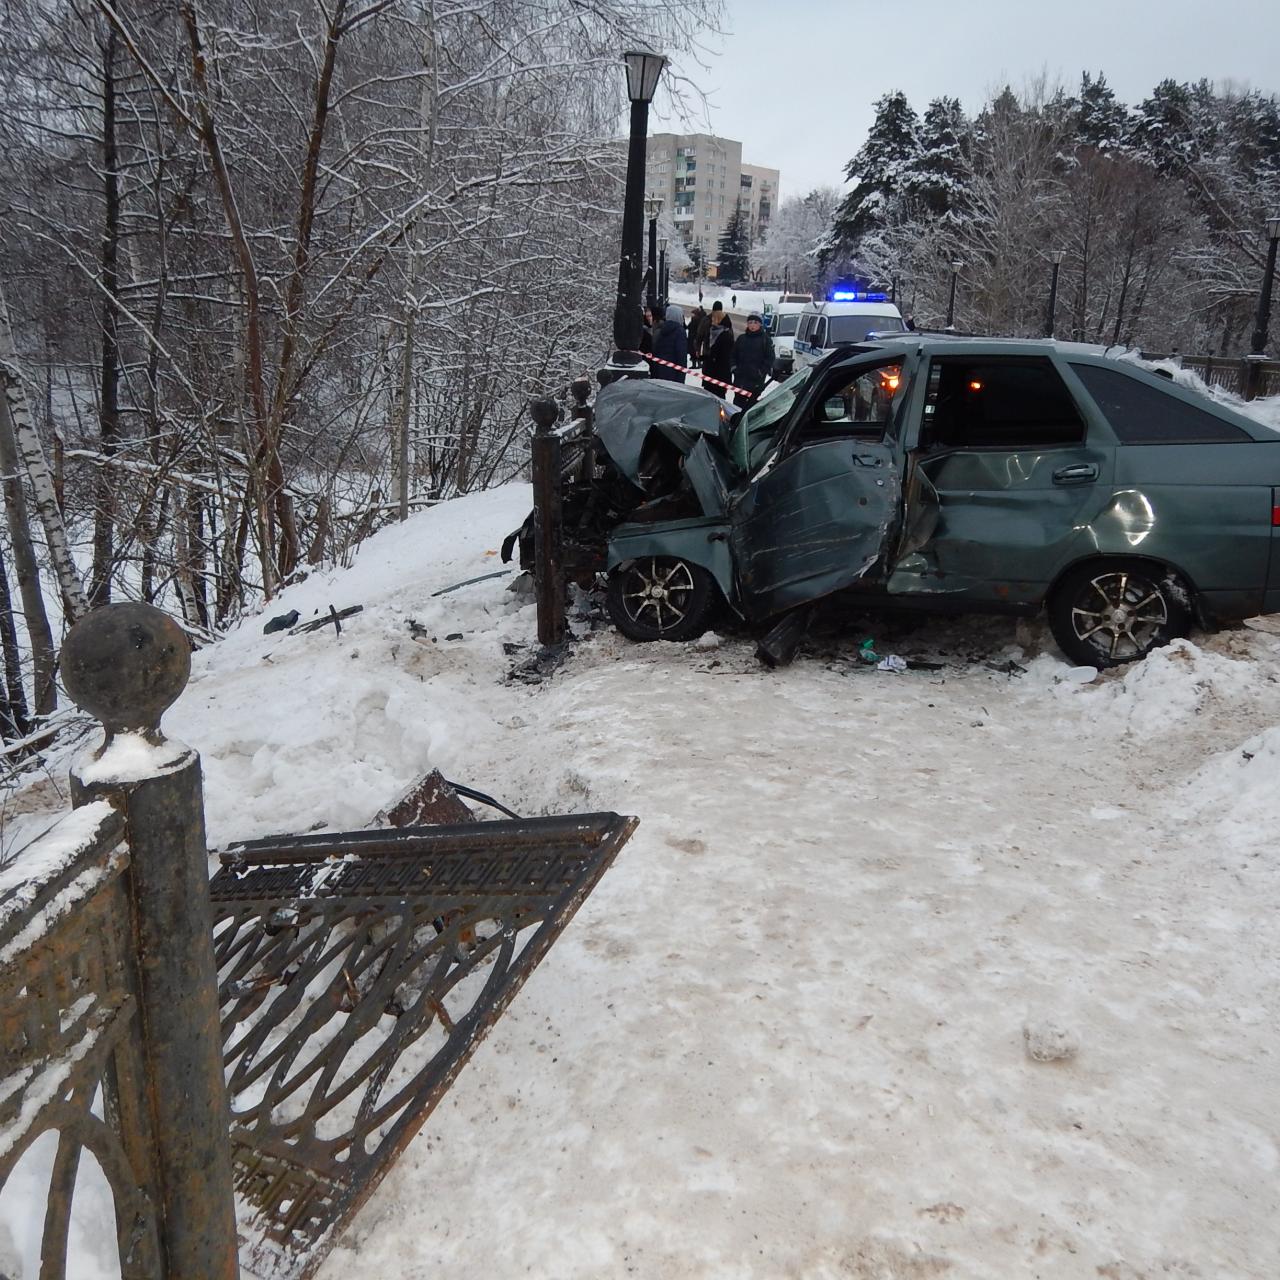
(646, 330)
(694, 335)
(752, 362)
(717, 361)
(669, 344)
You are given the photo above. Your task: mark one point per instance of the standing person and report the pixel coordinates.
(752, 362)
(694, 336)
(646, 330)
(717, 360)
(669, 344)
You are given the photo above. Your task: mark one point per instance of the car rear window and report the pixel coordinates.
(855, 328)
(784, 326)
(1142, 414)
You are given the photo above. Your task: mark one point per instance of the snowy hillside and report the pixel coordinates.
(796, 1029)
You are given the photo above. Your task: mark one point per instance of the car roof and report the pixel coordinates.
(1091, 353)
(852, 309)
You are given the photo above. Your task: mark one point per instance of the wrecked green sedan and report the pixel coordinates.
(944, 474)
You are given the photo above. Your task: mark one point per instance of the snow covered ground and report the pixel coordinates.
(797, 1029)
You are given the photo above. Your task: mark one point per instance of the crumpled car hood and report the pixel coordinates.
(627, 413)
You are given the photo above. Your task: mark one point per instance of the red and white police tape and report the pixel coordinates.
(728, 386)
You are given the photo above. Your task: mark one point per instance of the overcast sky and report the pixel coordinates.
(794, 80)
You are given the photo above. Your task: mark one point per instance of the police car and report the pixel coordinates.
(847, 317)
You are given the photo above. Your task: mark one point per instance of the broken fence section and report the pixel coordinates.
(355, 975)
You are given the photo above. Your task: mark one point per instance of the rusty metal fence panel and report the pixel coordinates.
(71, 1060)
(358, 972)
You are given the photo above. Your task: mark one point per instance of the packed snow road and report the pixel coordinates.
(797, 1029)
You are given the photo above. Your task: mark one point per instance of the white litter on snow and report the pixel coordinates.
(796, 1029)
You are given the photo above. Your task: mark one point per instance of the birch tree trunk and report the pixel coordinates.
(26, 568)
(27, 445)
(15, 721)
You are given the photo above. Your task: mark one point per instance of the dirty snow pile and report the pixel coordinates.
(967, 972)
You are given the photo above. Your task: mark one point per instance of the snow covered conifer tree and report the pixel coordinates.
(735, 249)
(878, 169)
(1162, 129)
(1102, 120)
(939, 175)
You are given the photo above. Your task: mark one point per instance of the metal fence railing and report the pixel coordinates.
(245, 1059)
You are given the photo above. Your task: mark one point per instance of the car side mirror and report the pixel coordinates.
(833, 409)
(781, 369)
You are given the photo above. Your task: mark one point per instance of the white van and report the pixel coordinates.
(847, 318)
(782, 319)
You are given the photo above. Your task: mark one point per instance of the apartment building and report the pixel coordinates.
(758, 195)
(701, 180)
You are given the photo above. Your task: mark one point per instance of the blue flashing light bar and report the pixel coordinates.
(855, 295)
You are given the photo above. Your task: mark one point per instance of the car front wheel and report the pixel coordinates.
(661, 598)
(1111, 612)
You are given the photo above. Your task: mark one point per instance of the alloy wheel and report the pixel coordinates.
(658, 593)
(1119, 613)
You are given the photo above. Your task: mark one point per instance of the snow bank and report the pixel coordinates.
(1170, 687)
(320, 731)
(1237, 794)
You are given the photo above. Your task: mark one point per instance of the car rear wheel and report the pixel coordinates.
(661, 598)
(1111, 612)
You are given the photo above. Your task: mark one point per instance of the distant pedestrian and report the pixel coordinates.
(752, 362)
(669, 344)
(734, 300)
(717, 361)
(910, 321)
(646, 330)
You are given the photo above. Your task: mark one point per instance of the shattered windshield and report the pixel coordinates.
(757, 427)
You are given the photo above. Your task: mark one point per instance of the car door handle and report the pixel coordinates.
(868, 459)
(1079, 473)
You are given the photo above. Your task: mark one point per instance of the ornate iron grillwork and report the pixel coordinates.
(69, 1037)
(357, 974)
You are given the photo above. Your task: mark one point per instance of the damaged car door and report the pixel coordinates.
(825, 508)
(1013, 473)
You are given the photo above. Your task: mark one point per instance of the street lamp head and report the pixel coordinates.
(662, 244)
(1057, 256)
(1273, 228)
(956, 264)
(653, 205)
(643, 70)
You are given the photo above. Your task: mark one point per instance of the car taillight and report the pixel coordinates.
(1275, 508)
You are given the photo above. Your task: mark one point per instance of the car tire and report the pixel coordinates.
(661, 598)
(1110, 612)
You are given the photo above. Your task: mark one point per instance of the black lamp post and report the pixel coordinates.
(1258, 345)
(653, 207)
(1051, 315)
(956, 264)
(643, 71)
(1263, 321)
(664, 285)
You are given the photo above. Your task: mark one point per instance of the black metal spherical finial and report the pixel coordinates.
(126, 664)
(544, 412)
